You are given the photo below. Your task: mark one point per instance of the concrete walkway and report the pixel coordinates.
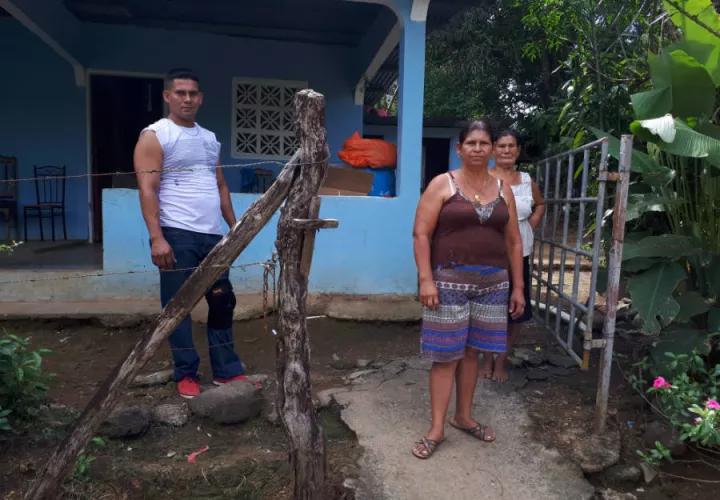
(389, 409)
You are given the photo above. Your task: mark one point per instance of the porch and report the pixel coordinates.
(85, 78)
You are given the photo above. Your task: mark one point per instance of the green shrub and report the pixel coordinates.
(23, 385)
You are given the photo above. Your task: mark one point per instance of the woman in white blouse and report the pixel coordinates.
(530, 209)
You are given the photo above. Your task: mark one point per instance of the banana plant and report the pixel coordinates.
(674, 272)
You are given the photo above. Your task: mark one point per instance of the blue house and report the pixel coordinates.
(81, 78)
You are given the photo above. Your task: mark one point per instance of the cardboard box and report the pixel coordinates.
(347, 181)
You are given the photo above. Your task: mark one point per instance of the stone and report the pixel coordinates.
(619, 475)
(561, 360)
(270, 413)
(394, 368)
(174, 415)
(595, 453)
(230, 403)
(325, 398)
(537, 374)
(125, 421)
(358, 376)
(268, 382)
(608, 494)
(419, 364)
(559, 371)
(515, 362)
(666, 435)
(153, 379)
(363, 363)
(343, 364)
(649, 473)
(56, 415)
(532, 357)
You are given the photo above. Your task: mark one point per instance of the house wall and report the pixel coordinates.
(371, 251)
(44, 112)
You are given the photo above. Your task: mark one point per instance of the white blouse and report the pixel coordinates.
(524, 204)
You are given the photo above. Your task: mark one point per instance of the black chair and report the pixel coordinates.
(50, 192)
(8, 193)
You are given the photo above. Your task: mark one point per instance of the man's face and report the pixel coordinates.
(184, 99)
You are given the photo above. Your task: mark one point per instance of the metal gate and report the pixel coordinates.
(556, 301)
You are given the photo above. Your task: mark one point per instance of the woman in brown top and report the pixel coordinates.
(466, 237)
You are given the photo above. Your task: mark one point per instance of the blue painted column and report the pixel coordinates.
(411, 82)
(454, 162)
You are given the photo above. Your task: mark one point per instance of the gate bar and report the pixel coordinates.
(613, 287)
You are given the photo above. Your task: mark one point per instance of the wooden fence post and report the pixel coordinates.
(296, 231)
(193, 290)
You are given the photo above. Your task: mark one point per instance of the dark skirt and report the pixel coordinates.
(527, 313)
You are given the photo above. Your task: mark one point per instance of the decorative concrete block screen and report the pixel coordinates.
(262, 125)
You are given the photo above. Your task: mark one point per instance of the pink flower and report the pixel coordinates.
(712, 404)
(661, 383)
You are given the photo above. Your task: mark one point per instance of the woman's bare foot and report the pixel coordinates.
(500, 373)
(486, 370)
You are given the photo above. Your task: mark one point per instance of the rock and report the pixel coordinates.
(153, 379)
(537, 374)
(56, 415)
(363, 363)
(532, 357)
(560, 372)
(595, 453)
(419, 364)
(358, 376)
(618, 475)
(174, 415)
(126, 421)
(378, 364)
(561, 360)
(608, 494)
(394, 368)
(325, 398)
(515, 362)
(649, 473)
(343, 364)
(230, 403)
(269, 413)
(335, 357)
(268, 382)
(665, 434)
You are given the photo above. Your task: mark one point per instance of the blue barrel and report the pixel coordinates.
(384, 181)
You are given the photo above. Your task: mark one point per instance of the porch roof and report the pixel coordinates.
(327, 22)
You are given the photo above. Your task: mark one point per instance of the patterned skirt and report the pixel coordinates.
(473, 313)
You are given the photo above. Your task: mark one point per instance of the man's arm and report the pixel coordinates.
(226, 207)
(148, 164)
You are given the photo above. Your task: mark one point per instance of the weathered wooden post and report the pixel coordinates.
(296, 234)
(310, 112)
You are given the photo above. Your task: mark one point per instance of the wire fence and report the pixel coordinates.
(163, 170)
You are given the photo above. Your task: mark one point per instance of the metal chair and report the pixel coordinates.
(8, 193)
(50, 192)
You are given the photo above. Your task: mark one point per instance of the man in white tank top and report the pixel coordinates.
(184, 196)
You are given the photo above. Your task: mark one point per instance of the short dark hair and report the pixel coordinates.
(508, 132)
(180, 74)
(473, 125)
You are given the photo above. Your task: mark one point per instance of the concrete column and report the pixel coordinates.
(411, 80)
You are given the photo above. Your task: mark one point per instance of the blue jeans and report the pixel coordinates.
(190, 249)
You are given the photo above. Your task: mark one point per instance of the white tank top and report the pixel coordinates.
(188, 197)
(524, 205)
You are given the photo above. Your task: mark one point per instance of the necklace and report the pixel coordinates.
(477, 193)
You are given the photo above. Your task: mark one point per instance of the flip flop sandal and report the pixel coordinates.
(430, 446)
(478, 432)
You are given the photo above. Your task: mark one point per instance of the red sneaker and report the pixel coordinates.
(188, 388)
(221, 381)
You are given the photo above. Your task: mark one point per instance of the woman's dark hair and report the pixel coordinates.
(508, 132)
(473, 125)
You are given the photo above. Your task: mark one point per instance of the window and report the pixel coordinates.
(262, 124)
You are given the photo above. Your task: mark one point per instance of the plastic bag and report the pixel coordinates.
(374, 153)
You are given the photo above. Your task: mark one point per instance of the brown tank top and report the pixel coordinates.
(469, 233)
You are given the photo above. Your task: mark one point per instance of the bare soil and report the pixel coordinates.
(249, 461)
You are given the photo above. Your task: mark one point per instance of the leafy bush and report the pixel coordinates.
(23, 385)
(688, 397)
